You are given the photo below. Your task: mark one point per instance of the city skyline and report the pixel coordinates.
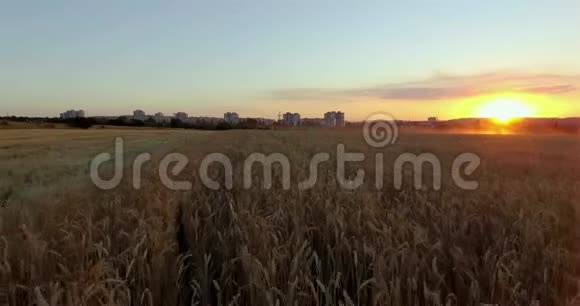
(417, 59)
(143, 115)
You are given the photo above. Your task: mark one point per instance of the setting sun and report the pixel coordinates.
(505, 109)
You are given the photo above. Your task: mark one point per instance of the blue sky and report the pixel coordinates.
(207, 57)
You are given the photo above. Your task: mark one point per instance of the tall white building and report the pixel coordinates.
(291, 119)
(232, 118)
(334, 119)
(340, 122)
(330, 119)
(72, 114)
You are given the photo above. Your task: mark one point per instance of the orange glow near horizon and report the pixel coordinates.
(505, 109)
(502, 107)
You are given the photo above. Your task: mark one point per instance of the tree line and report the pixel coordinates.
(86, 123)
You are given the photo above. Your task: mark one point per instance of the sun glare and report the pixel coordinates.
(504, 110)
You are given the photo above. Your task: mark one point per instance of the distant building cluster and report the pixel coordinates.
(291, 119)
(230, 117)
(158, 117)
(334, 119)
(181, 116)
(331, 119)
(70, 114)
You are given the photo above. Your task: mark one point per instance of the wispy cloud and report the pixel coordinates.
(445, 87)
(553, 90)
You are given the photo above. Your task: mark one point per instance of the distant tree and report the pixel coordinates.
(117, 122)
(176, 123)
(150, 122)
(135, 122)
(223, 126)
(249, 124)
(83, 123)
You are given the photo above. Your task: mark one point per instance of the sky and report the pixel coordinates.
(413, 59)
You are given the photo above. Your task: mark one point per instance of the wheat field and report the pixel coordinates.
(65, 242)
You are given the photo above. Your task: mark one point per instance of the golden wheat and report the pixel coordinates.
(507, 243)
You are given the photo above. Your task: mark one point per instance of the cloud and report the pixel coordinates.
(553, 90)
(412, 92)
(445, 87)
